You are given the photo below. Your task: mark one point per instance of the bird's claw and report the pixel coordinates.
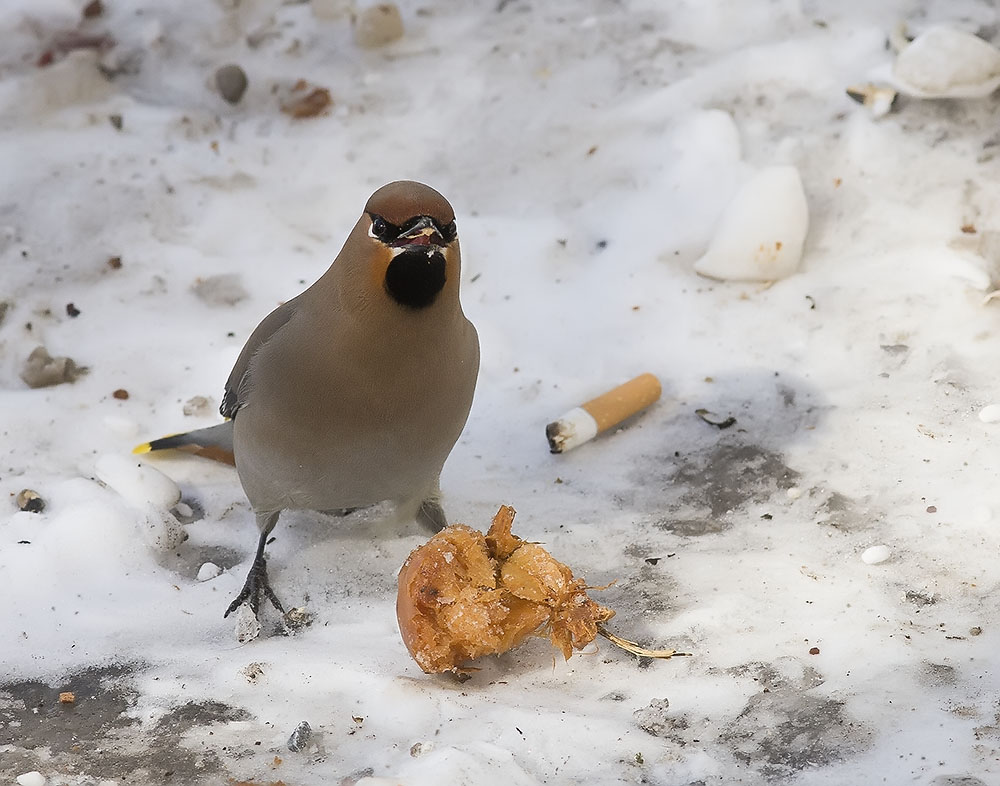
(257, 584)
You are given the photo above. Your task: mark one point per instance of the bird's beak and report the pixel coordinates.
(423, 233)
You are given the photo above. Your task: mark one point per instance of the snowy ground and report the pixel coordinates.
(589, 147)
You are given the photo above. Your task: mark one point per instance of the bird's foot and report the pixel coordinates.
(431, 516)
(257, 585)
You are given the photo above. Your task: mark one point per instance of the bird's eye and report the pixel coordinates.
(380, 227)
(449, 231)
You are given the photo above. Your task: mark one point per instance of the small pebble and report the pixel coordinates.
(67, 697)
(814, 650)
(29, 501)
(41, 370)
(231, 81)
(208, 571)
(297, 618)
(300, 737)
(72, 310)
(303, 105)
(976, 631)
(225, 289)
(116, 121)
(33, 778)
(794, 492)
(990, 413)
(115, 263)
(655, 718)
(198, 405)
(378, 25)
(121, 394)
(875, 555)
(253, 672)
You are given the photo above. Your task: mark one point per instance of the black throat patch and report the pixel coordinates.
(414, 277)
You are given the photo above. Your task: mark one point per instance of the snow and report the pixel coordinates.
(137, 482)
(590, 149)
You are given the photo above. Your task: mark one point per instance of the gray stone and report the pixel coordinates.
(231, 81)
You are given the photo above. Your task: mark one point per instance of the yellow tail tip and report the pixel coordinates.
(145, 447)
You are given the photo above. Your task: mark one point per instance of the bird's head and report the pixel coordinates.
(412, 241)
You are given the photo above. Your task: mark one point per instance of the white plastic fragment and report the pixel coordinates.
(761, 233)
(247, 626)
(946, 63)
(33, 778)
(208, 571)
(990, 413)
(794, 492)
(140, 484)
(875, 555)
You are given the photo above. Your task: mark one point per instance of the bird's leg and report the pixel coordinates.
(257, 583)
(431, 515)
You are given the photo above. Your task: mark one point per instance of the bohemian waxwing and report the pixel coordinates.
(355, 391)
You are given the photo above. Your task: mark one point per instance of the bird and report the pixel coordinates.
(355, 391)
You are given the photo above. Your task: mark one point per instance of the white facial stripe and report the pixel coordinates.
(431, 250)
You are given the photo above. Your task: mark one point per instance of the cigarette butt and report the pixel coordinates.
(581, 424)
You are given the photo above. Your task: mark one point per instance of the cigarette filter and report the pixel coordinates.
(581, 424)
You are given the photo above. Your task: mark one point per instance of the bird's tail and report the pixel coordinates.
(214, 442)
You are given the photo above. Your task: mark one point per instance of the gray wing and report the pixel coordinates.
(237, 384)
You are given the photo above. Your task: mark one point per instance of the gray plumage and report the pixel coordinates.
(355, 391)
